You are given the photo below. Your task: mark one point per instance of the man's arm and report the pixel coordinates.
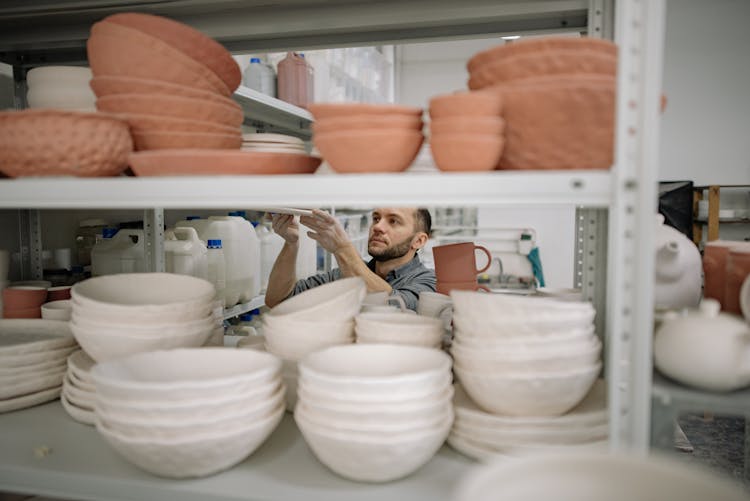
(284, 272)
(352, 265)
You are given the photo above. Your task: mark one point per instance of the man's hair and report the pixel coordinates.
(423, 221)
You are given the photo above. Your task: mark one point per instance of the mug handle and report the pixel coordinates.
(398, 299)
(489, 258)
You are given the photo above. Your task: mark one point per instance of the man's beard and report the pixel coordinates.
(393, 252)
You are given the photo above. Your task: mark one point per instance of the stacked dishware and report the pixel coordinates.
(32, 361)
(312, 320)
(524, 357)
(399, 328)
(437, 305)
(188, 412)
(78, 391)
(273, 143)
(60, 87)
(170, 82)
(375, 412)
(118, 315)
(355, 137)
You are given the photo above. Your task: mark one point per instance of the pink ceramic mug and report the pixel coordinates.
(447, 287)
(457, 262)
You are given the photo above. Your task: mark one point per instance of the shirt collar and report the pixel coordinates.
(401, 270)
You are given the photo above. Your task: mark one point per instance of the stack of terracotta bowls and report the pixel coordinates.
(190, 412)
(559, 100)
(78, 391)
(312, 320)
(375, 412)
(169, 81)
(466, 131)
(399, 328)
(367, 137)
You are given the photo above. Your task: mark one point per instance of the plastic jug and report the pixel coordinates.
(185, 253)
(194, 222)
(123, 252)
(216, 271)
(89, 232)
(270, 247)
(293, 74)
(260, 77)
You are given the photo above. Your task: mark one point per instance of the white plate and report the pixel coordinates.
(285, 210)
(80, 398)
(22, 336)
(475, 451)
(31, 385)
(271, 138)
(32, 369)
(78, 414)
(79, 383)
(16, 379)
(81, 364)
(500, 438)
(275, 149)
(24, 360)
(30, 400)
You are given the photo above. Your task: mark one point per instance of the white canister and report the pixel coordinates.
(185, 253)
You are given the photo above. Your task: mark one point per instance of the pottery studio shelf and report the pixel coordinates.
(272, 113)
(241, 308)
(81, 465)
(501, 188)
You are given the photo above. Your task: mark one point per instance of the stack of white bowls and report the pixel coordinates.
(273, 143)
(78, 391)
(312, 320)
(118, 315)
(375, 412)
(188, 412)
(399, 328)
(60, 87)
(32, 361)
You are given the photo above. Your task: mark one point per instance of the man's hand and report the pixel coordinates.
(286, 227)
(327, 231)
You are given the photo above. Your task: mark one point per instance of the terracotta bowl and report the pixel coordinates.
(158, 140)
(201, 48)
(228, 113)
(369, 150)
(559, 122)
(23, 297)
(58, 293)
(328, 110)
(467, 125)
(155, 123)
(62, 143)
(357, 122)
(466, 152)
(120, 51)
(539, 45)
(552, 62)
(466, 104)
(35, 312)
(105, 85)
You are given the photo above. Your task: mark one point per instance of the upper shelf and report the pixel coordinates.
(500, 188)
(259, 107)
(46, 31)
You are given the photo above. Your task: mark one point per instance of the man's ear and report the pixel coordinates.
(419, 240)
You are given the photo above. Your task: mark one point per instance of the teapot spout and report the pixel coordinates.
(666, 259)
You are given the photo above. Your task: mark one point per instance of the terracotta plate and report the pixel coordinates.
(219, 162)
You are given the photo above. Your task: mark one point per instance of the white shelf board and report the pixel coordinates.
(241, 308)
(82, 466)
(672, 394)
(499, 188)
(263, 108)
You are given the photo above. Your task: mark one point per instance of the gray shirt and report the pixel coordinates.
(407, 281)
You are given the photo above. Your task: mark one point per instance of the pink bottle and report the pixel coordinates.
(293, 80)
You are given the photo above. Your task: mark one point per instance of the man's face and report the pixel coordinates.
(391, 233)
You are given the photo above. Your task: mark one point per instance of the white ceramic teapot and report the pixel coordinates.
(705, 348)
(678, 269)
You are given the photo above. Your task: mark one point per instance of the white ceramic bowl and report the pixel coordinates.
(298, 351)
(552, 341)
(68, 98)
(399, 328)
(121, 328)
(500, 439)
(294, 329)
(175, 375)
(376, 459)
(339, 300)
(529, 394)
(75, 76)
(481, 305)
(80, 364)
(376, 371)
(522, 326)
(57, 310)
(78, 396)
(194, 456)
(150, 297)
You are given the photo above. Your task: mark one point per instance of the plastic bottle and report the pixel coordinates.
(260, 77)
(307, 78)
(103, 254)
(89, 232)
(185, 253)
(216, 269)
(193, 222)
(270, 247)
(292, 78)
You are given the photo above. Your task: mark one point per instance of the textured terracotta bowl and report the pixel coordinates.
(552, 62)
(467, 125)
(328, 110)
(62, 143)
(23, 297)
(466, 104)
(105, 85)
(35, 312)
(357, 122)
(188, 40)
(157, 140)
(559, 122)
(228, 113)
(466, 152)
(539, 45)
(121, 51)
(141, 122)
(369, 150)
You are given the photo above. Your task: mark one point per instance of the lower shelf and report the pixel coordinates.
(81, 465)
(671, 394)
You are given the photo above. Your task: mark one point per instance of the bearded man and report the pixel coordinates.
(395, 236)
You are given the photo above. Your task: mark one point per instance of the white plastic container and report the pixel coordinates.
(125, 252)
(194, 222)
(185, 253)
(216, 269)
(260, 77)
(270, 247)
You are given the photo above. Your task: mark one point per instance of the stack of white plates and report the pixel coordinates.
(399, 328)
(118, 315)
(315, 319)
(32, 361)
(375, 412)
(78, 391)
(485, 436)
(273, 143)
(188, 412)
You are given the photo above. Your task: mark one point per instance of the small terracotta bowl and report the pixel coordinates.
(369, 150)
(141, 122)
(106, 85)
(466, 152)
(466, 104)
(23, 297)
(35, 312)
(357, 122)
(58, 293)
(158, 140)
(467, 125)
(328, 110)
(226, 113)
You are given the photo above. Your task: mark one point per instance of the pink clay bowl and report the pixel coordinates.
(369, 150)
(228, 113)
(466, 152)
(357, 122)
(467, 125)
(106, 85)
(158, 140)
(140, 123)
(328, 110)
(466, 104)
